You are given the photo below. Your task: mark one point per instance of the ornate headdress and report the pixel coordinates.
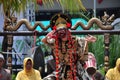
(60, 18)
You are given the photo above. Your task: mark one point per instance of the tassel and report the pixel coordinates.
(68, 25)
(54, 28)
(56, 57)
(72, 59)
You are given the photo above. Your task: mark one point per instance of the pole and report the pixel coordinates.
(94, 10)
(74, 32)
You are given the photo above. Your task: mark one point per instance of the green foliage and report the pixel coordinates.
(13, 76)
(11, 6)
(102, 71)
(114, 49)
(97, 49)
(68, 5)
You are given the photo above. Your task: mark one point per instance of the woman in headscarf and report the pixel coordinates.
(114, 73)
(28, 72)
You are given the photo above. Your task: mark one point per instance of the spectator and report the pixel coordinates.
(91, 67)
(4, 73)
(28, 72)
(114, 73)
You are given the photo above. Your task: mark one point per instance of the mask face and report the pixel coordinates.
(61, 28)
(61, 33)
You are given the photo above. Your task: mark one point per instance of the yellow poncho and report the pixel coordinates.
(114, 73)
(28, 75)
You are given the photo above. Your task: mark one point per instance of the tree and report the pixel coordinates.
(10, 7)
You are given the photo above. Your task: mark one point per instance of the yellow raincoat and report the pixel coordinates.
(114, 73)
(28, 75)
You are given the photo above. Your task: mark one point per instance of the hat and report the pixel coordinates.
(91, 64)
(60, 16)
(1, 56)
